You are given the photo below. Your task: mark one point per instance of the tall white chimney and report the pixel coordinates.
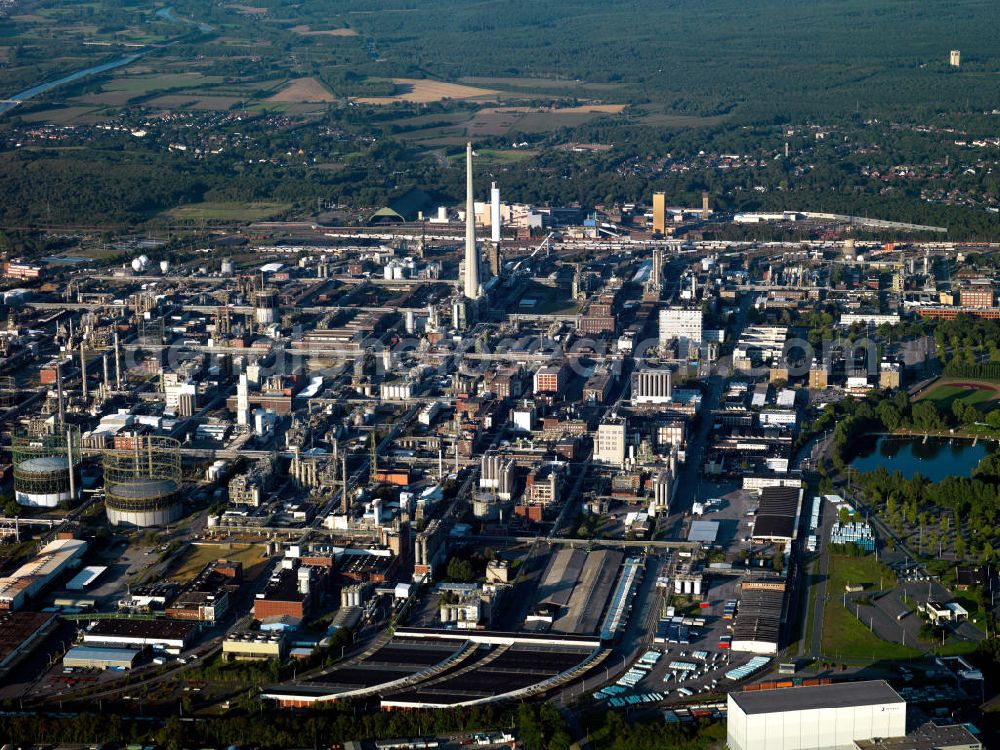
(495, 214)
(471, 256)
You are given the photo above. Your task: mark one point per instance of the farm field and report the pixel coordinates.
(304, 30)
(194, 101)
(303, 90)
(64, 115)
(144, 84)
(539, 83)
(455, 127)
(250, 10)
(422, 91)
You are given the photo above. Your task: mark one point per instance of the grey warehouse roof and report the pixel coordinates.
(837, 695)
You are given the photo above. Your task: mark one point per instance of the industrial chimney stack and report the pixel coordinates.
(471, 256)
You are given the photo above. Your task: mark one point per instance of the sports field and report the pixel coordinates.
(946, 391)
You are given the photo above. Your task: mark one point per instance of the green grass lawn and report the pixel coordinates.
(844, 637)
(946, 394)
(227, 211)
(496, 156)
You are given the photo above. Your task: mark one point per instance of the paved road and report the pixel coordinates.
(689, 480)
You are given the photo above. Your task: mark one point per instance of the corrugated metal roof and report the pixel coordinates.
(102, 654)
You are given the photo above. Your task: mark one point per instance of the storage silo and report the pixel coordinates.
(265, 303)
(46, 466)
(142, 483)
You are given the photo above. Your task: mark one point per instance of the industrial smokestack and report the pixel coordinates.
(343, 491)
(83, 372)
(69, 460)
(471, 256)
(118, 364)
(59, 392)
(495, 214)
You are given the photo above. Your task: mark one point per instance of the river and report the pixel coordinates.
(167, 14)
(41, 88)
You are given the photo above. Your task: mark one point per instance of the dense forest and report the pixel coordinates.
(762, 60)
(860, 90)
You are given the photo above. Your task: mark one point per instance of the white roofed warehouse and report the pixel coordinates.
(817, 717)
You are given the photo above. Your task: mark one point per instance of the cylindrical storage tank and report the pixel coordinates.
(228, 267)
(213, 521)
(46, 467)
(484, 507)
(350, 596)
(142, 483)
(164, 266)
(678, 586)
(697, 586)
(387, 272)
(265, 302)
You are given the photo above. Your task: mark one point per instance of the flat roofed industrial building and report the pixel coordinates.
(89, 657)
(819, 717)
(757, 629)
(20, 632)
(928, 736)
(171, 636)
(247, 645)
(705, 532)
(778, 514)
(576, 586)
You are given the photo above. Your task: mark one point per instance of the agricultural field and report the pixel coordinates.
(303, 30)
(541, 84)
(422, 91)
(250, 10)
(197, 556)
(145, 84)
(195, 101)
(64, 115)
(453, 128)
(303, 90)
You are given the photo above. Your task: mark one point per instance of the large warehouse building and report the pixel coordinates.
(777, 517)
(28, 581)
(88, 657)
(819, 717)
